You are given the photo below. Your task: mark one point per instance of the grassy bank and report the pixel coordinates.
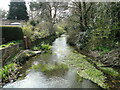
(85, 69)
(13, 66)
(105, 77)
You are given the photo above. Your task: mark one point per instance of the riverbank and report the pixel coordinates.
(85, 69)
(7, 74)
(62, 52)
(107, 64)
(49, 70)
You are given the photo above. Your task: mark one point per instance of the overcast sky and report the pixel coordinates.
(4, 3)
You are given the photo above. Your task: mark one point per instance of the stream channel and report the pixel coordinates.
(36, 79)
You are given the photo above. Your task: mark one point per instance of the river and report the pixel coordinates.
(36, 79)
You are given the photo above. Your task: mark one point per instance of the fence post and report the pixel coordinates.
(27, 42)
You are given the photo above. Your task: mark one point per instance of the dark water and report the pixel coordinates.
(36, 79)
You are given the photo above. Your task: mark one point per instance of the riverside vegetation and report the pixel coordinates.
(41, 40)
(93, 29)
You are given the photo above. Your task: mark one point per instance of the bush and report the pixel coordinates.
(10, 33)
(33, 23)
(59, 30)
(44, 47)
(27, 30)
(9, 72)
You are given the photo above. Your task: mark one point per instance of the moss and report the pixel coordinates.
(86, 69)
(51, 70)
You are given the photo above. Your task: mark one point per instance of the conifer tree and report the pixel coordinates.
(18, 11)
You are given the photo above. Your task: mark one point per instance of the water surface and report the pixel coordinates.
(36, 79)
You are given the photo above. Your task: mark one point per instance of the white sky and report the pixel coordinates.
(4, 4)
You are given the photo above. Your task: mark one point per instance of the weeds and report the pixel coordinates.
(9, 72)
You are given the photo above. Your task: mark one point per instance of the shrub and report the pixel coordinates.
(59, 30)
(33, 23)
(27, 30)
(43, 47)
(10, 33)
(8, 70)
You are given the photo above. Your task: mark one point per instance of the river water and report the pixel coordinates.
(36, 79)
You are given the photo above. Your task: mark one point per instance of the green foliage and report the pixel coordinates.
(40, 30)
(33, 23)
(96, 28)
(72, 39)
(27, 30)
(7, 70)
(44, 47)
(10, 33)
(110, 71)
(10, 43)
(18, 10)
(59, 30)
(36, 48)
(103, 50)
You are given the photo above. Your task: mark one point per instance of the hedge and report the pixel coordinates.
(10, 33)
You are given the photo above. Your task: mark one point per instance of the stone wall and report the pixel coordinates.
(9, 52)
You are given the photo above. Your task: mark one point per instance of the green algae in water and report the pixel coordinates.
(51, 70)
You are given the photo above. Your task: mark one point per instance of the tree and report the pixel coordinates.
(3, 14)
(18, 11)
(97, 24)
(48, 11)
(51, 12)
